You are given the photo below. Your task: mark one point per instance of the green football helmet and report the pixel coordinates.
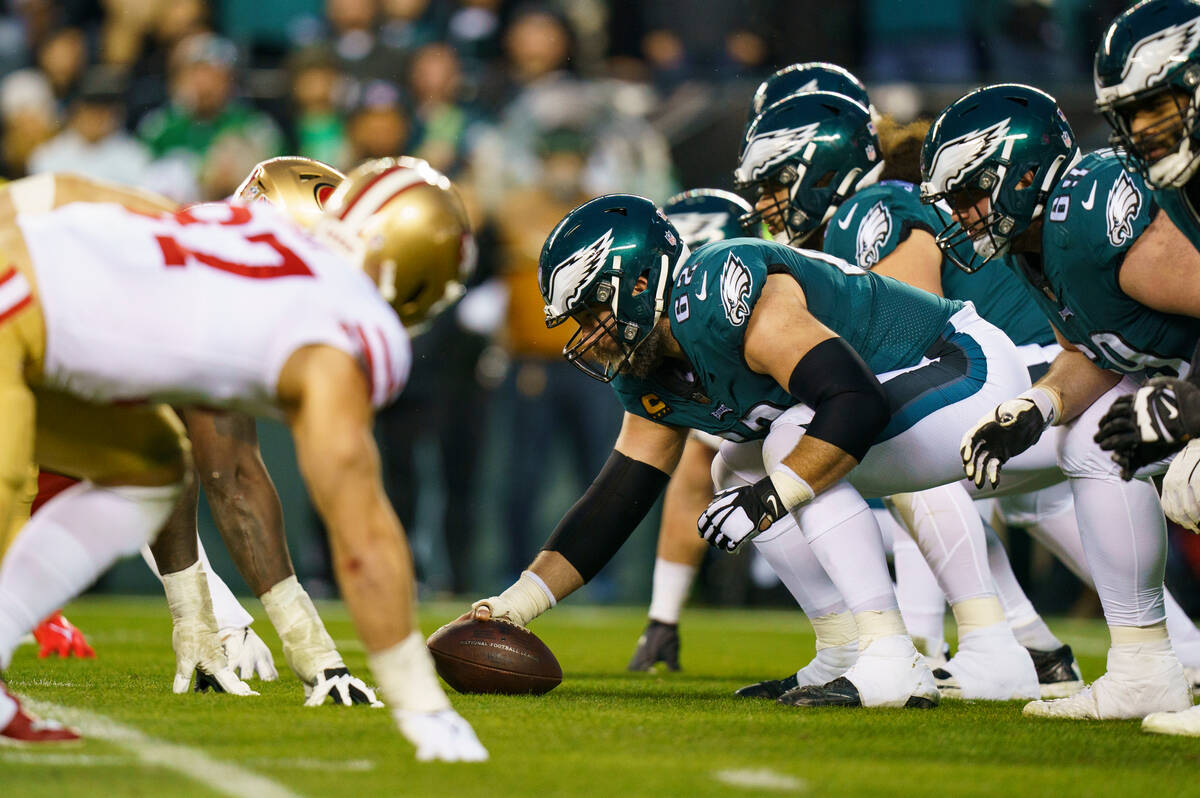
(704, 215)
(1149, 56)
(590, 269)
(982, 146)
(820, 146)
(806, 77)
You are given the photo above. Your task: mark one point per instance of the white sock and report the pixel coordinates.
(406, 677)
(1027, 625)
(922, 602)
(228, 610)
(1124, 536)
(846, 541)
(949, 532)
(672, 584)
(73, 539)
(786, 550)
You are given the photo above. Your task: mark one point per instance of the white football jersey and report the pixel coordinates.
(201, 307)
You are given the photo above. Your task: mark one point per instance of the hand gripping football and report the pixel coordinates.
(493, 657)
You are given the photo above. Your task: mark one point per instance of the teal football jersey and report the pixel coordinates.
(890, 325)
(1182, 208)
(1093, 217)
(871, 224)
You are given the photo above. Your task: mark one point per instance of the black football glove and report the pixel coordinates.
(739, 514)
(1004, 433)
(1155, 421)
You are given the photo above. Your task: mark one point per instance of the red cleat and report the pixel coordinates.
(57, 635)
(28, 730)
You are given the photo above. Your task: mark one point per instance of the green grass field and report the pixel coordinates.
(604, 732)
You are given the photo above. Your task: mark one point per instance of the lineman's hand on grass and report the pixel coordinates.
(342, 686)
(248, 654)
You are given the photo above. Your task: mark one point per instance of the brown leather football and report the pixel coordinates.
(493, 657)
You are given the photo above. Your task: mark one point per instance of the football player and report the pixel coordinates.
(806, 156)
(1005, 160)
(701, 216)
(744, 339)
(224, 305)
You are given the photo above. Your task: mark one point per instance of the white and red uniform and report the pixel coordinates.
(200, 307)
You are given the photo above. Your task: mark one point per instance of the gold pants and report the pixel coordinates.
(114, 445)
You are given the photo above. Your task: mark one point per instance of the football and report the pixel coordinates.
(493, 657)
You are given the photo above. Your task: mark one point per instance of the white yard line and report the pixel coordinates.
(222, 777)
(304, 763)
(52, 759)
(760, 779)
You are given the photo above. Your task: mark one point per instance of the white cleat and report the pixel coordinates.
(990, 665)
(889, 673)
(1141, 679)
(440, 736)
(1185, 723)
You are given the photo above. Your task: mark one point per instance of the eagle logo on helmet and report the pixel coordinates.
(958, 157)
(735, 290)
(873, 230)
(773, 147)
(1124, 204)
(1151, 58)
(569, 278)
(700, 228)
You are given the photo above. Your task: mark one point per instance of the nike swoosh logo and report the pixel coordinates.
(1091, 200)
(702, 294)
(845, 223)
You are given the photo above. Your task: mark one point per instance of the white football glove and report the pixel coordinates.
(198, 650)
(342, 686)
(736, 515)
(442, 736)
(248, 654)
(1181, 488)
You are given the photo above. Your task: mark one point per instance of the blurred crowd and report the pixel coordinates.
(531, 107)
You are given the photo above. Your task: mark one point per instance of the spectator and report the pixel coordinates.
(446, 122)
(318, 90)
(30, 118)
(361, 53)
(204, 125)
(140, 40)
(411, 24)
(63, 58)
(474, 31)
(94, 143)
(549, 399)
(379, 126)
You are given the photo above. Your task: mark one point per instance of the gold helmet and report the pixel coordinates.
(409, 232)
(299, 186)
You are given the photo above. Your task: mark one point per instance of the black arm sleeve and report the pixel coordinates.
(589, 535)
(849, 404)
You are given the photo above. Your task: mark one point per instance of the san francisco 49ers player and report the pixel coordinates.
(229, 306)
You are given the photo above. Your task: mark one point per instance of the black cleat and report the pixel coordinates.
(1058, 672)
(771, 688)
(659, 643)
(841, 692)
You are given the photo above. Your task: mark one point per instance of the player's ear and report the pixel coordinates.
(641, 285)
(1026, 180)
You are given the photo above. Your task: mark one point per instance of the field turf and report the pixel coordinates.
(604, 732)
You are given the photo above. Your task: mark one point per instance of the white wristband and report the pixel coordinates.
(524, 600)
(791, 487)
(1047, 400)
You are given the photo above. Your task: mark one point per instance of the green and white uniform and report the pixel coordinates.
(1095, 214)
(934, 356)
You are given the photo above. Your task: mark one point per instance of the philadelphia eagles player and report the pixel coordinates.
(701, 216)
(765, 346)
(1004, 158)
(1147, 80)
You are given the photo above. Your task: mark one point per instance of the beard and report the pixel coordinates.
(648, 357)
